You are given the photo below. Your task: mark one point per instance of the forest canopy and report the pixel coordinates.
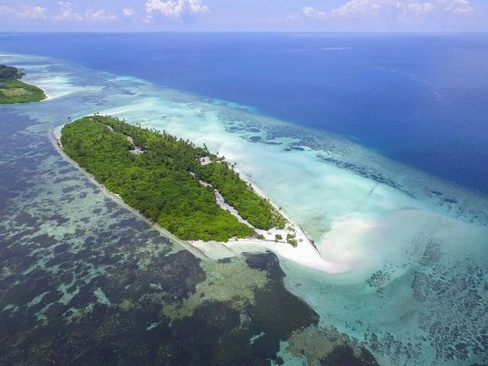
(10, 72)
(163, 177)
(12, 90)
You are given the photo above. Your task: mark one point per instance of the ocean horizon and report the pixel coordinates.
(375, 144)
(417, 99)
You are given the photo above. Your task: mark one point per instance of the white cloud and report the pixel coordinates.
(24, 12)
(415, 10)
(6, 10)
(128, 12)
(175, 8)
(351, 9)
(35, 13)
(99, 15)
(456, 6)
(402, 9)
(67, 13)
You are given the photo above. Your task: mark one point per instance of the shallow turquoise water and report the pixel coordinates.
(415, 292)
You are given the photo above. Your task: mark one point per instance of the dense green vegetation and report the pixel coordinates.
(12, 90)
(10, 72)
(162, 180)
(257, 211)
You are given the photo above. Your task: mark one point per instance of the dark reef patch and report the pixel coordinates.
(363, 172)
(85, 282)
(260, 262)
(343, 355)
(177, 274)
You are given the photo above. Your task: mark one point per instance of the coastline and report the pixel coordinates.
(305, 253)
(16, 91)
(184, 244)
(48, 96)
(353, 305)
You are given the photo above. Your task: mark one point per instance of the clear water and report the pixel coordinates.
(371, 171)
(417, 99)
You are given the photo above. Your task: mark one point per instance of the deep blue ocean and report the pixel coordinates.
(401, 256)
(419, 99)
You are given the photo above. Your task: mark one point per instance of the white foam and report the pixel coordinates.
(54, 84)
(357, 223)
(359, 226)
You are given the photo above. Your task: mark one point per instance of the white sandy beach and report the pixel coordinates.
(361, 228)
(304, 253)
(356, 223)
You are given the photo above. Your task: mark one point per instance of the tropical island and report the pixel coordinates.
(12, 90)
(187, 190)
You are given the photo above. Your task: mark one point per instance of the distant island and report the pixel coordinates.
(187, 190)
(12, 90)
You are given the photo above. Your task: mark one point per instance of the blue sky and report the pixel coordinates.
(244, 15)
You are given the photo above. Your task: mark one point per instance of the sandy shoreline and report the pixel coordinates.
(186, 245)
(48, 96)
(305, 253)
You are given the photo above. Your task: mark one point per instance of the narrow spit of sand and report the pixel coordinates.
(305, 253)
